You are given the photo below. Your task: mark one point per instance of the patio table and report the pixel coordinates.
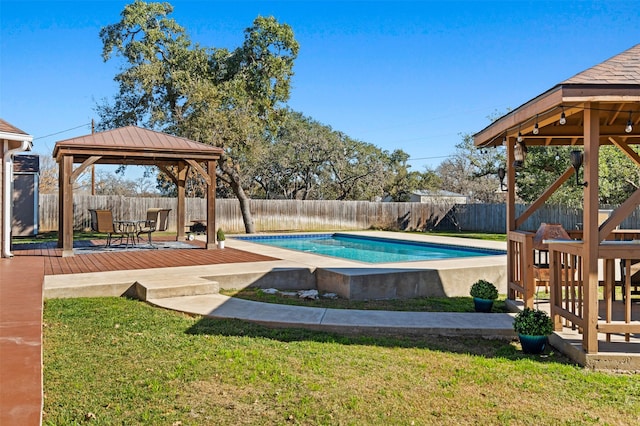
(129, 229)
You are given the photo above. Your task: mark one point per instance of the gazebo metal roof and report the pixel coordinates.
(134, 145)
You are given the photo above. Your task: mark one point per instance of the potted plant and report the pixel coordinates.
(533, 326)
(220, 237)
(483, 293)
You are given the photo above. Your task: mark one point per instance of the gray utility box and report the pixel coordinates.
(25, 217)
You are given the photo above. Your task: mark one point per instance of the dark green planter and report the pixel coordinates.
(532, 344)
(482, 305)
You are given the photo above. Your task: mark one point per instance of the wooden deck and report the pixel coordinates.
(55, 264)
(21, 302)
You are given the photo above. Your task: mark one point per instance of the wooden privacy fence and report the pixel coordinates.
(297, 215)
(268, 215)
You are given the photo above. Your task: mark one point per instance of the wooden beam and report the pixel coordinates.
(627, 150)
(169, 173)
(619, 214)
(82, 167)
(211, 205)
(544, 197)
(591, 232)
(511, 187)
(202, 172)
(65, 216)
(180, 213)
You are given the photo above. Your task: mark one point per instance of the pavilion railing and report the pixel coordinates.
(520, 267)
(568, 299)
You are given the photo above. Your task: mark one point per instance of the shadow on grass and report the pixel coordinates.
(488, 348)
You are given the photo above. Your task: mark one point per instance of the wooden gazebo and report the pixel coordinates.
(135, 146)
(599, 106)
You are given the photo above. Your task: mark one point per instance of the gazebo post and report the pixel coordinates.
(590, 220)
(65, 206)
(511, 210)
(180, 213)
(211, 205)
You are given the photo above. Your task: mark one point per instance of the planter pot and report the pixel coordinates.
(220, 244)
(483, 305)
(532, 344)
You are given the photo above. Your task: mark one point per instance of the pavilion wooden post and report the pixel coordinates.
(511, 212)
(211, 205)
(180, 213)
(591, 233)
(65, 205)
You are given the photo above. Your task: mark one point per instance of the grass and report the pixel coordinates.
(117, 361)
(421, 304)
(476, 235)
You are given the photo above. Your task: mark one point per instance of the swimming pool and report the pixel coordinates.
(370, 249)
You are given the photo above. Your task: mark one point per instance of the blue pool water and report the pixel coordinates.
(369, 249)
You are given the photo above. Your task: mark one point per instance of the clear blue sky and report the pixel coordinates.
(401, 75)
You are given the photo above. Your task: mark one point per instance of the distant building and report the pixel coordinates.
(435, 197)
(12, 141)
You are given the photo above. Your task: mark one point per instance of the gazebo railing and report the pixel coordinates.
(520, 267)
(569, 292)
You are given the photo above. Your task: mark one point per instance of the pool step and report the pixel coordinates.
(162, 289)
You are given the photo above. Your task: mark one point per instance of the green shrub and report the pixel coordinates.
(220, 234)
(533, 322)
(483, 289)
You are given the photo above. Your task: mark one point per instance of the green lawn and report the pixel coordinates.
(114, 361)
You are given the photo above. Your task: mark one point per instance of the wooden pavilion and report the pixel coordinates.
(133, 145)
(599, 106)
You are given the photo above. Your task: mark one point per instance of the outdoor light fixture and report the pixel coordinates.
(536, 129)
(576, 162)
(563, 118)
(501, 174)
(629, 127)
(519, 154)
(519, 136)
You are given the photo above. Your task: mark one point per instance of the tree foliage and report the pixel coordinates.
(309, 160)
(228, 98)
(618, 176)
(473, 172)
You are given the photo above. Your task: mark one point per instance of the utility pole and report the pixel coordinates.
(93, 166)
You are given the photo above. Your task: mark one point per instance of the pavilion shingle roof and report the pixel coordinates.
(132, 137)
(623, 68)
(10, 128)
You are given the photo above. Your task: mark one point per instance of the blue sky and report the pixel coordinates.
(410, 75)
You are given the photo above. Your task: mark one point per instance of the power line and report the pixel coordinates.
(431, 158)
(63, 131)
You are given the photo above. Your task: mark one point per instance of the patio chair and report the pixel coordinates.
(157, 220)
(634, 270)
(102, 222)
